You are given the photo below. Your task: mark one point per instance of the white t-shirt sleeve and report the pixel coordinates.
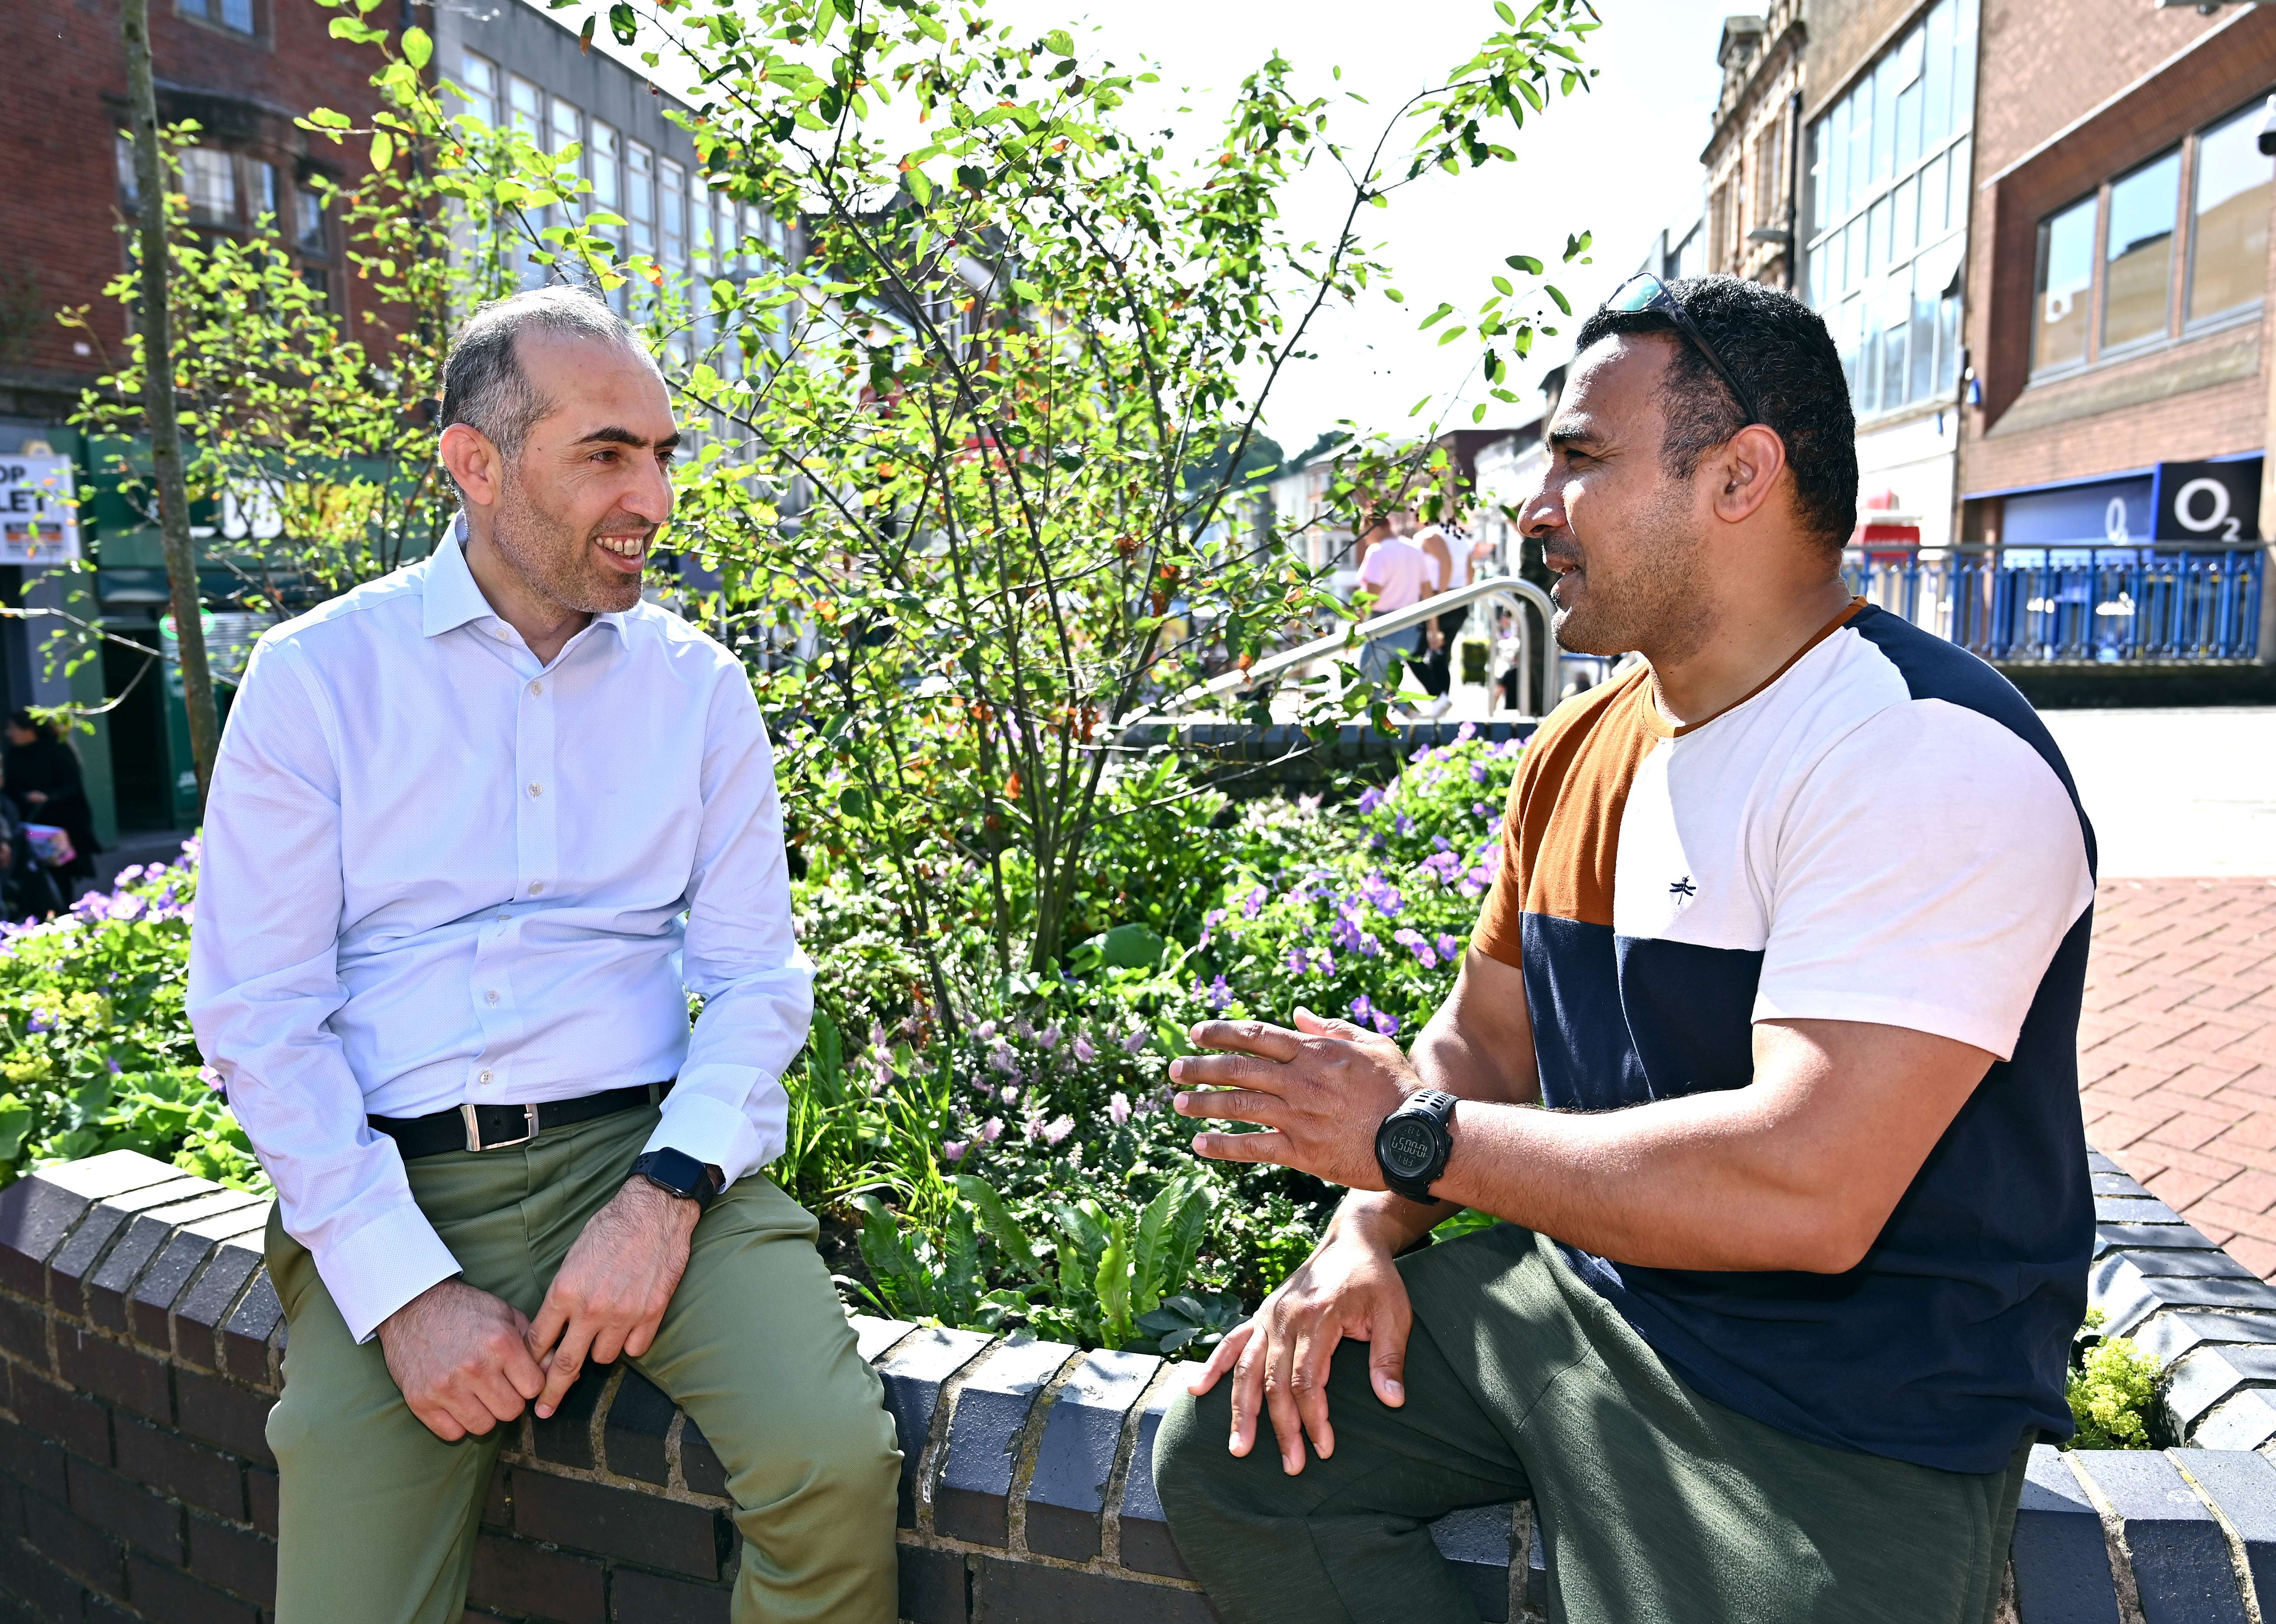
(1922, 874)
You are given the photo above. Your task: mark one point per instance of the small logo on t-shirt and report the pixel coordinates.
(1682, 889)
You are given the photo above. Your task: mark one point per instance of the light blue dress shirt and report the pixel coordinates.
(437, 872)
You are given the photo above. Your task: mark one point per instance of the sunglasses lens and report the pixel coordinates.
(1636, 293)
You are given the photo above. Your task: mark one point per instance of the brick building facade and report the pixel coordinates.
(2119, 304)
(1751, 159)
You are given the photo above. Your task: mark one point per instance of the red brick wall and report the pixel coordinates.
(68, 79)
(2040, 72)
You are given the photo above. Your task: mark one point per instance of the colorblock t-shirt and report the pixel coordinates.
(1884, 832)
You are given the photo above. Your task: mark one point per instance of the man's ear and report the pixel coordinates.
(1746, 470)
(474, 462)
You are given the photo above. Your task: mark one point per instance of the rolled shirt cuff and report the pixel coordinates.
(382, 1266)
(698, 1119)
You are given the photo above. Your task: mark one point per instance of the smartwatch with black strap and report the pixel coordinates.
(676, 1172)
(1413, 1143)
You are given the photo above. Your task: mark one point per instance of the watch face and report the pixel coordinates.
(1409, 1147)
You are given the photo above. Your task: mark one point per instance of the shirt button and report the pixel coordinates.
(485, 1077)
(490, 997)
(537, 687)
(537, 887)
(535, 790)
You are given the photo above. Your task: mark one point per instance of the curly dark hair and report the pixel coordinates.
(1779, 349)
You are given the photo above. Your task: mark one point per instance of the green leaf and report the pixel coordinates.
(1114, 1286)
(383, 151)
(996, 1219)
(906, 1286)
(1501, 10)
(418, 49)
(1502, 286)
(324, 117)
(1562, 303)
(623, 23)
(1525, 263)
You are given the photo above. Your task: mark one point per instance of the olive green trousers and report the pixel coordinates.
(1654, 1503)
(379, 1515)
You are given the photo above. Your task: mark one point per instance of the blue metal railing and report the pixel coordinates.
(2082, 604)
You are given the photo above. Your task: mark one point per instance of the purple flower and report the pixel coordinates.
(1298, 961)
(1220, 995)
(1478, 809)
(1057, 1129)
(1253, 904)
(1136, 1040)
(1466, 732)
(1118, 1108)
(127, 875)
(1477, 773)
(1048, 1038)
(1403, 823)
(1442, 842)
(986, 1032)
(1449, 949)
(209, 1077)
(954, 1149)
(1325, 964)
(1360, 1008)
(1083, 1052)
(38, 1021)
(1369, 799)
(1412, 942)
(1388, 1025)
(992, 1130)
(1421, 754)
(1009, 1095)
(1000, 1059)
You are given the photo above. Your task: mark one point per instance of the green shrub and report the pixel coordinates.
(2114, 1393)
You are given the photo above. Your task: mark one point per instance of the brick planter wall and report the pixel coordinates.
(139, 1344)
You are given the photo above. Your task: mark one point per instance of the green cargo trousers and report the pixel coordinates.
(379, 1515)
(1654, 1503)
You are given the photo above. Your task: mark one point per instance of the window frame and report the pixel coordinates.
(2190, 323)
(2180, 152)
(212, 14)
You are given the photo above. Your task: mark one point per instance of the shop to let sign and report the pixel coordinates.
(39, 514)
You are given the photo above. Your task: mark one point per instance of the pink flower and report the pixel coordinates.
(1057, 1128)
(1083, 1052)
(1118, 1108)
(992, 1129)
(954, 1149)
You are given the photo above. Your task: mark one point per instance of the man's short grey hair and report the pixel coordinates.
(483, 384)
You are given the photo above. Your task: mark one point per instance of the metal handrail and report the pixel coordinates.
(1532, 684)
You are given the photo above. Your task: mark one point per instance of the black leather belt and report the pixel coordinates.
(498, 1128)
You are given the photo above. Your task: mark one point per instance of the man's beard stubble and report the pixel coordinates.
(1657, 604)
(552, 558)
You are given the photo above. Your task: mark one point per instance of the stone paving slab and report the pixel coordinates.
(2177, 1050)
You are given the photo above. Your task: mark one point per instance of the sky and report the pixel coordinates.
(1620, 161)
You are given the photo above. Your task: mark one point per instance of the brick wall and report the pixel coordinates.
(140, 1345)
(2064, 105)
(56, 141)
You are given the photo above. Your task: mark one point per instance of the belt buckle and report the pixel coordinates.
(474, 1131)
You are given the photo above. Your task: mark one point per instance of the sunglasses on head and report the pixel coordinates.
(1645, 291)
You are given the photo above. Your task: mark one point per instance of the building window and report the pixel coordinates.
(130, 189)
(2138, 274)
(672, 195)
(2064, 288)
(309, 227)
(479, 87)
(564, 123)
(235, 15)
(210, 179)
(2140, 218)
(640, 198)
(261, 176)
(1887, 203)
(2228, 226)
(524, 102)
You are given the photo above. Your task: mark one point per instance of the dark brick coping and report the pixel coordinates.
(140, 1345)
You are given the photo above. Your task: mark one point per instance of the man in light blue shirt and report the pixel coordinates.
(477, 831)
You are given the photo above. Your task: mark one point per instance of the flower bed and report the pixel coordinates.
(1012, 1164)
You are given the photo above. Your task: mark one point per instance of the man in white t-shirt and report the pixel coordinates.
(1789, 937)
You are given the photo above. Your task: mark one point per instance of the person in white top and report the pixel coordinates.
(477, 831)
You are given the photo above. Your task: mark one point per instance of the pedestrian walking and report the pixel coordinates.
(45, 783)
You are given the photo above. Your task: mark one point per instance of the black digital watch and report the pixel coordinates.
(676, 1172)
(1413, 1143)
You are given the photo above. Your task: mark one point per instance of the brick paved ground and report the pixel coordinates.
(2177, 1050)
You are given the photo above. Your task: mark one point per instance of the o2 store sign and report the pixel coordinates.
(39, 516)
(2207, 501)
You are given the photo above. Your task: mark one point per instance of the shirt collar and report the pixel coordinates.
(451, 597)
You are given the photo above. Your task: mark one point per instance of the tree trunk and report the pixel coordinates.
(158, 398)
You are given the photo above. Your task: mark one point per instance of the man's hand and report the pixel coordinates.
(613, 1287)
(1349, 1287)
(461, 1359)
(1323, 1090)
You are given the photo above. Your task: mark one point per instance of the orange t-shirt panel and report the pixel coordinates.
(1561, 832)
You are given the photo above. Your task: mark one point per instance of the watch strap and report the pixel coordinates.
(676, 1173)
